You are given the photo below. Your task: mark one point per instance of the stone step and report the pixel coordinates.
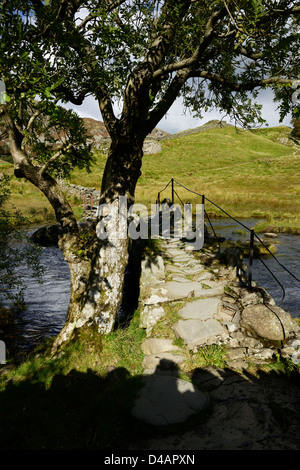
(157, 345)
(163, 359)
(198, 332)
(166, 400)
(201, 309)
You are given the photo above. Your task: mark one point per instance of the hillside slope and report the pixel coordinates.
(247, 173)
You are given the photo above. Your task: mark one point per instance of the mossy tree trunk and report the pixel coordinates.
(97, 266)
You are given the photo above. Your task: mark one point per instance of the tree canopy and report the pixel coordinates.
(144, 54)
(81, 47)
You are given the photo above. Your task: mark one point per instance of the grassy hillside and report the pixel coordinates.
(247, 173)
(232, 168)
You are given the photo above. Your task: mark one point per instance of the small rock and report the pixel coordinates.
(251, 298)
(231, 327)
(157, 345)
(150, 316)
(287, 351)
(235, 353)
(204, 276)
(270, 235)
(261, 353)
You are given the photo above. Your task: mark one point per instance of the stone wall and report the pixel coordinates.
(87, 195)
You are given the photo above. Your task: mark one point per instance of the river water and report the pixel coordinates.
(47, 304)
(287, 254)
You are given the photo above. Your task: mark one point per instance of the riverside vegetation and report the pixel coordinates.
(86, 394)
(109, 371)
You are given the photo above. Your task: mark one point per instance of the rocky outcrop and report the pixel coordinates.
(214, 124)
(100, 139)
(47, 235)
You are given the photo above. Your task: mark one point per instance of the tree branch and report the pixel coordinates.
(235, 86)
(250, 55)
(95, 14)
(54, 157)
(32, 119)
(168, 99)
(209, 33)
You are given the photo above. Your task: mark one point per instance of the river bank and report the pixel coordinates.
(47, 304)
(246, 409)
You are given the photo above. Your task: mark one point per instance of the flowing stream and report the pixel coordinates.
(287, 254)
(47, 303)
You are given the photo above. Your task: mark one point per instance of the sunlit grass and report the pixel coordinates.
(246, 173)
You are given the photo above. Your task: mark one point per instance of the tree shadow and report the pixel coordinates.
(84, 411)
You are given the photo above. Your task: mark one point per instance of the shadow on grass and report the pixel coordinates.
(78, 411)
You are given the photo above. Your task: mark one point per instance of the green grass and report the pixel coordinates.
(239, 170)
(247, 173)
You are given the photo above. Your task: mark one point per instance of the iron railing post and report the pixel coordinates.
(251, 257)
(158, 202)
(172, 184)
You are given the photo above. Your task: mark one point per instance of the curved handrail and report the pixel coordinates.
(252, 235)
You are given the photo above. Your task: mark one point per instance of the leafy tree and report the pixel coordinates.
(144, 53)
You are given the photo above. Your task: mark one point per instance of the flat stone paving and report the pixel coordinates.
(198, 332)
(248, 413)
(168, 400)
(165, 398)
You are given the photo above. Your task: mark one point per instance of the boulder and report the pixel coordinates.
(268, 322)
(151, 146)
(47, 235)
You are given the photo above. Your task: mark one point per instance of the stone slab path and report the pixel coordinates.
(164, 397)
(248, 412)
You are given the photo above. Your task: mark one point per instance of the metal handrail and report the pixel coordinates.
(252, 235)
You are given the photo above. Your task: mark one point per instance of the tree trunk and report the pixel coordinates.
(97, 265)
